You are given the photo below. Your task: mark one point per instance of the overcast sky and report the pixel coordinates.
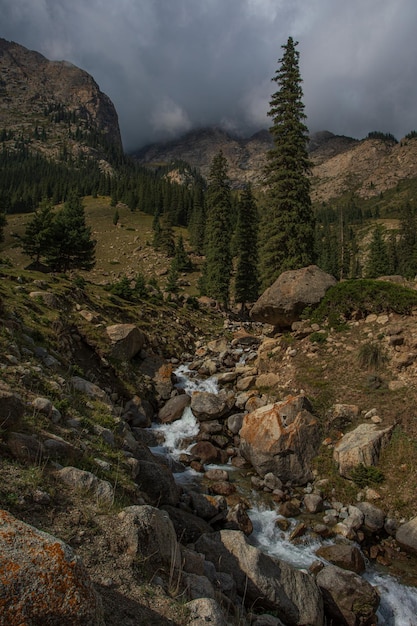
(173, 65)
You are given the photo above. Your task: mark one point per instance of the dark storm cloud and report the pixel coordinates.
(172, 65)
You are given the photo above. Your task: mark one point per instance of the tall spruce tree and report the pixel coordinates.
(218, 265)
(246, 241)
(287, 228)
(378, 262)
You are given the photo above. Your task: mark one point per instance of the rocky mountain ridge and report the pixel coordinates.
(52, 106)
(340, 164)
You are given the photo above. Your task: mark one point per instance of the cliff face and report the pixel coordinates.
(339, 164)
(52, 103)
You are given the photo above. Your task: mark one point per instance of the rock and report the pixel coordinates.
(222, 488)
(346, 556)
(342, 415)
(203, 611)
(149, 533)
(12, 407)
(126, 339)
(188, 527)
(26, 447)
(294, 290)
(270, 583)
(138, 412)
(281, 438)
(362, 445)
(234, 423)
(42, 581)
(87, 483)
(208, 406)
(198, 586)
(226, 377)
(174, 408)
(216, 474)
(374, 518)
(157, 482)
(163, 380)
(90, 389)
(206, 452)
(207, 507)
(238, 519)
(349, 600)
(406, 536)
(48, 298)
(289, 509)
(267, 380)
(313, 503)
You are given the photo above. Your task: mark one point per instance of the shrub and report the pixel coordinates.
(364, 476)
(371, 355)
(362, 297)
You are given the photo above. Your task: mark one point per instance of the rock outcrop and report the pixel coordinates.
(43, 94)
(294, 290)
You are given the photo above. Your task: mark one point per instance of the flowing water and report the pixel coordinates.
(398, 606)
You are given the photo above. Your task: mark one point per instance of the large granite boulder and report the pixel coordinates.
(174, 408)
(294, 290)
(42, 581)
(264, 582)
(349, 600)
(281, 438)
(360, 446)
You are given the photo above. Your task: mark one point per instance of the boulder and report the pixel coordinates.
(362, 445)
(90, 389)
(349, 600)
(203, 611)
(126, 339)
(42, 581)
(150, 534)
(87, 483)
(294, 290)
(281, 438)
(346, 556)
(174, 408)
(373, 517)
(208, 406)
(264, 582)
(406, 535)
(12, 407)
(188, 527)
(157, 482)
(26, 447)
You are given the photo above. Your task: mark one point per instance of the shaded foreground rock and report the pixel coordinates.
(281, 438)
(349, 600)
(42, 581)
(126, 339)
(264, 582)
(283, 302)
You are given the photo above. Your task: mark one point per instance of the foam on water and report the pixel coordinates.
(186, 381)
(185, 428)
(398, 606)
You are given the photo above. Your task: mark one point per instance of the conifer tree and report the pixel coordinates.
(217, 269)
(407, 245)
(378, 262)
(181, 259)
(246, 241)
(196, 225)
(72, 246)
(287, 234)
(38, 234)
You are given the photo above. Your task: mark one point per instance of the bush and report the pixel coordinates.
(362, 297)
(363, 476)
(371, 355)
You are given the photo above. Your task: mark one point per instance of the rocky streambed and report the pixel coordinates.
(249, 476)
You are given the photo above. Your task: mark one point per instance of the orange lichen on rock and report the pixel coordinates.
(42, 579)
